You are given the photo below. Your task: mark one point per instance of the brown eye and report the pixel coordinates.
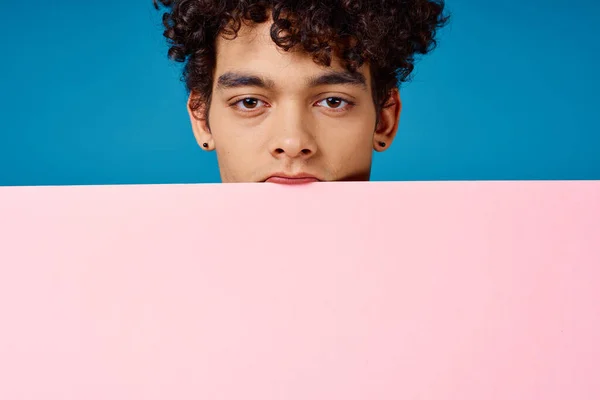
(250, 103)
(334, 102)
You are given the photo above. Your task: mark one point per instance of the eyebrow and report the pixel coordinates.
(232, 80)
(339, 78)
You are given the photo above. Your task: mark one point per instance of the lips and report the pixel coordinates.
(283, 179)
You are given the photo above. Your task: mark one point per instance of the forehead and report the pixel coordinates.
(253, 50)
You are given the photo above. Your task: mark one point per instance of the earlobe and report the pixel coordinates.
(389, 119)
(199, 121)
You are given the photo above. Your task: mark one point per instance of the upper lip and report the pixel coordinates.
(292, 176)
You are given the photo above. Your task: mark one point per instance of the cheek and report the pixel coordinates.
(230, 137)
(234, 149)
(352, 135)
(348, 148)
(237, 147)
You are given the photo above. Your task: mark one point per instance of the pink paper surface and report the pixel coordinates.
(379, 291)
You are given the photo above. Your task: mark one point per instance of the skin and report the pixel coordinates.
(275, 113)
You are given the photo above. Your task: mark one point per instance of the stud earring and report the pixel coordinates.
(205, 145)
(382, 144)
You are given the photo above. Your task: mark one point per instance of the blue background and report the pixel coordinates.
(88, 96)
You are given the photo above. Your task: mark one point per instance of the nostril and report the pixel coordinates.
(304, 152)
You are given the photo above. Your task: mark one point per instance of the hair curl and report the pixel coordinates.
(385, 33)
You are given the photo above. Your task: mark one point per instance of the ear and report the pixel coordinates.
(389, 119)
(199, 120)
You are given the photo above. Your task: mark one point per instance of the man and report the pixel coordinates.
(297, 91)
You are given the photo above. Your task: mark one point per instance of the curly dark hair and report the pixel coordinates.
(385, 33)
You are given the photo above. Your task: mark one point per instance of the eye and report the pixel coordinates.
(248, 104)
(334, 103)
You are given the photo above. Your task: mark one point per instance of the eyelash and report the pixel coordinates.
(349, 104)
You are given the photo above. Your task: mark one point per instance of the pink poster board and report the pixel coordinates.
(480, 290)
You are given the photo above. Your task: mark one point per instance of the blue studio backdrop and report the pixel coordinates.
(88, 96)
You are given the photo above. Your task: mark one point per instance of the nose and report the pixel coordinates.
(293, 137)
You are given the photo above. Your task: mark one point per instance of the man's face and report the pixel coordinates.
(275, 116)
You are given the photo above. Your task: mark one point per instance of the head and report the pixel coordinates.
(297, 88)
